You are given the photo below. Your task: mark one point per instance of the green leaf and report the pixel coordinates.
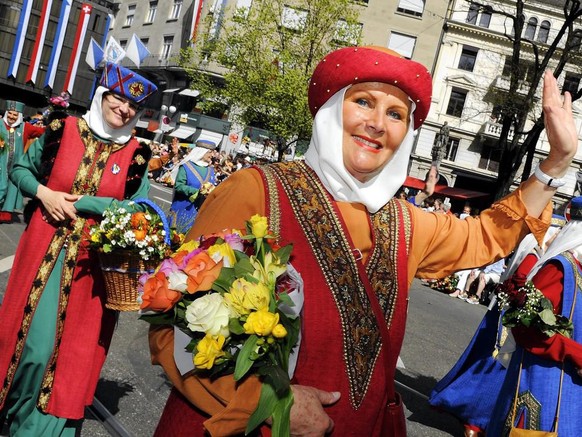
(166, 318)
(548, 317)
(243, 268)
(224, 281)
(264, 410)
(282, 416)
(277, 378)
(235, 326)
(243, 360)
(284, 253)
(285, 299)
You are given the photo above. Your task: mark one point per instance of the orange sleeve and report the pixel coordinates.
(442, 244)
(229, 404)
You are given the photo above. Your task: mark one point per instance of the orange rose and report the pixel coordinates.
(202, 271)
(156, 294)
(179, 256)
(139, 221)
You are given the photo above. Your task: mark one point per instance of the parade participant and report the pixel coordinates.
(356, 248)
(470, 389)
(189, 177)
(55, 330)
(15, 135)
(543, 378)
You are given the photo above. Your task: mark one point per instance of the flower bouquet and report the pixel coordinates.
(130, 244)
(205, 190)
(523, 304)
(57, 106)
(236, 300)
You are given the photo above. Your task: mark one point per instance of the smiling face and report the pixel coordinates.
(11, 117)
(375, 121)
(117, 111)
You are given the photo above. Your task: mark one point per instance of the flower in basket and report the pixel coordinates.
(140, 232)
(525, 305)
(236, 300)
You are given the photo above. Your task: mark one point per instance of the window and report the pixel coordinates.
(490, 157)
(145, 41)
(472, 14)
(524, 71)
(347, 33)
(403, 44)
(293, 19)
(485, 19)
(544, 32)
(468, 58)
(123, 43)
(452, 148)
(412, 7)
(152, 12)
(96, 23)
(130, 15)
(167, 47)
(530, 28)
(571, 82)
(475, 13)
(456, 102)
(176, 9)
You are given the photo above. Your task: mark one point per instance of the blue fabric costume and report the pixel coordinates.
(540, 380)
(189, 180)
(469, 391)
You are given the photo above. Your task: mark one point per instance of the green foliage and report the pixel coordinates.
(266, 65)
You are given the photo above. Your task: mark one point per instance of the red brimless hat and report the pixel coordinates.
(352, 65)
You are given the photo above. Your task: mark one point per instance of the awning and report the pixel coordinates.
(183, 132)
(190, 93)
(171, 90)
(454, 192)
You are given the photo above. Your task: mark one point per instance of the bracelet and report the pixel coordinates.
(548, 180)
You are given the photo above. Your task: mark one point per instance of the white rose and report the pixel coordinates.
(177, 281)
(208, 314)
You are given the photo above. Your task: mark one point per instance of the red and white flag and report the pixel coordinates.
(39, 41)
(77, 47)
(196, 12)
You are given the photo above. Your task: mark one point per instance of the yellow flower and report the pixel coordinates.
(261, 322)
(259, 226)
(189, 246)
(270, 271)
(222, 252)
(96, 237)
(279, 331)
(209, 349)
(244, 296)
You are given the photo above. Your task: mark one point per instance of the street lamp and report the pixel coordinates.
(165, 120)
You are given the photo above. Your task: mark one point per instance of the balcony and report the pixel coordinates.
(502, 83)
(492, 129)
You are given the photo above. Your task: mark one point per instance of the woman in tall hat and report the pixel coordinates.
(355, 247)
(55, 330)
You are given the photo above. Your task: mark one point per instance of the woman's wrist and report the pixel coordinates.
(555, 168)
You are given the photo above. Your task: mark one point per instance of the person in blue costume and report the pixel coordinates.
(55, 329)
(469, 390)
(191, 178)
(544, 379)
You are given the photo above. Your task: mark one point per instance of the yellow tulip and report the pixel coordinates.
(259, 226)
(209, 349)
(279, 331)
(261, 322)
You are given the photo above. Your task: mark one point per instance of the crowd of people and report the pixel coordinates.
(360, 247)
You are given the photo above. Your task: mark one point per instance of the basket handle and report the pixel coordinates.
(161, 213)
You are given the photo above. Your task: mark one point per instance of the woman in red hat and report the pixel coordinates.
(356, 248)
(55, 330)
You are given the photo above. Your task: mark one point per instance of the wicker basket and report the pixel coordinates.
(121, 271)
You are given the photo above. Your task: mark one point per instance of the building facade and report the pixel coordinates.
(471, 75)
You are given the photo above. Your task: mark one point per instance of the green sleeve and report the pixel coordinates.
(97, 205)
(26, 169)
(181, 185)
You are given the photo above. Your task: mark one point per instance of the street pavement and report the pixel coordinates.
(131, 392)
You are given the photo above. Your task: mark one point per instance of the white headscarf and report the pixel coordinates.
(325, 157)
(96, 122)
(195, 155)
(569, 239)
(18, 121)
